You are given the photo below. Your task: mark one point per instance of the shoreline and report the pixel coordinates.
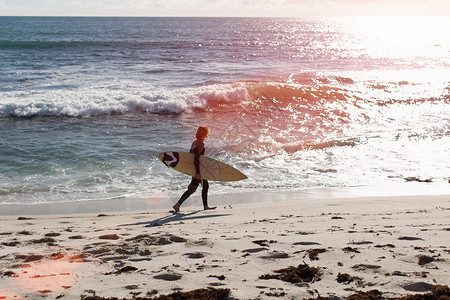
(160, 201)
(395, 245)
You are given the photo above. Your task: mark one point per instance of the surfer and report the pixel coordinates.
(198, 148)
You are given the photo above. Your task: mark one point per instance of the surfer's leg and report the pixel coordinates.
(205, 195)
(191, 189)
(205, 188)
(176, 207)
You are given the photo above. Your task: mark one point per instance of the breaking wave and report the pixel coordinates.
(74, 103)
(303, 95)
(99, 102)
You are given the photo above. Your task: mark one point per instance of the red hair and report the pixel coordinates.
(202, 132)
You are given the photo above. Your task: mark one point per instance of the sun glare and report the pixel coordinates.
(157, 199)
(401, 37)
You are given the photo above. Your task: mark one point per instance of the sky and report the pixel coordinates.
(230, 8)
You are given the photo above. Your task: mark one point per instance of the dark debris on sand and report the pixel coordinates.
(299, 274)
(206, 294)
(47, 240)
(264, 243)
(347, 279)
(157, 240)
(370, 295)
(438, 292)
(313, 253)
(424, 259)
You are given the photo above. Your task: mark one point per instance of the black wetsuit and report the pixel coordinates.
(198, 148)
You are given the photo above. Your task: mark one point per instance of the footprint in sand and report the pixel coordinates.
(306, 243)
(364, 267)
(168, 277)
(76, 237)
(52, 234)
(275, 255)
(409, 238)
(255, 250)
(195, 255)
(418, 287)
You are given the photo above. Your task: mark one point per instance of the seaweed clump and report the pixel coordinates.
(299, 274)
(347, 279)
(206, 294)
(370, 295)
(313, 253)
(438, 292)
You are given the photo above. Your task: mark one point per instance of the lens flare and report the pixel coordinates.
(6, 294)
(157, 199)
(49, 275)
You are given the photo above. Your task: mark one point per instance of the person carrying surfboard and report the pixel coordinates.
(198, 148)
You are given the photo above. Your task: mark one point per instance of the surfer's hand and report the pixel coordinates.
(198, 176)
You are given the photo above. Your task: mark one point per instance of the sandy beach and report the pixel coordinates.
(388, 246)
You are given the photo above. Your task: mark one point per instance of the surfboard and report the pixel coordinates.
(210, 169)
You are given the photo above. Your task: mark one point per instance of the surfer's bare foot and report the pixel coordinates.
(176, 207)
(207, 207)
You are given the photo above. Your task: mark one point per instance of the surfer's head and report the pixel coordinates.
(202, 132)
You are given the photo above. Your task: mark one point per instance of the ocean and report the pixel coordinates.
(86, 104)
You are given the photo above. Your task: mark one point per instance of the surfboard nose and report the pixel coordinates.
(170, 159)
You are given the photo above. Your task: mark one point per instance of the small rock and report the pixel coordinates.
(424, 259)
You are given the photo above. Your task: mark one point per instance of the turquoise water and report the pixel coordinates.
(86, 104)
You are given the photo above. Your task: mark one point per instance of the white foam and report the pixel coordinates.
(97, 102)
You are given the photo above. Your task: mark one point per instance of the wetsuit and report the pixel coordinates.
(198, 148)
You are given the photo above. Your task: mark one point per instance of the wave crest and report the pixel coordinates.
(75, 103)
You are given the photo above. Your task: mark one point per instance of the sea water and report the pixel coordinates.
(86, 104)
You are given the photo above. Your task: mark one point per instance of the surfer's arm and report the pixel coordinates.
(197, 164)
(198, 148)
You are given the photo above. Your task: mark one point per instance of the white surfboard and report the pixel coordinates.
(210, 169)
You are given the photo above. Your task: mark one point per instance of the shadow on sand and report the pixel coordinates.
(174, 217)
